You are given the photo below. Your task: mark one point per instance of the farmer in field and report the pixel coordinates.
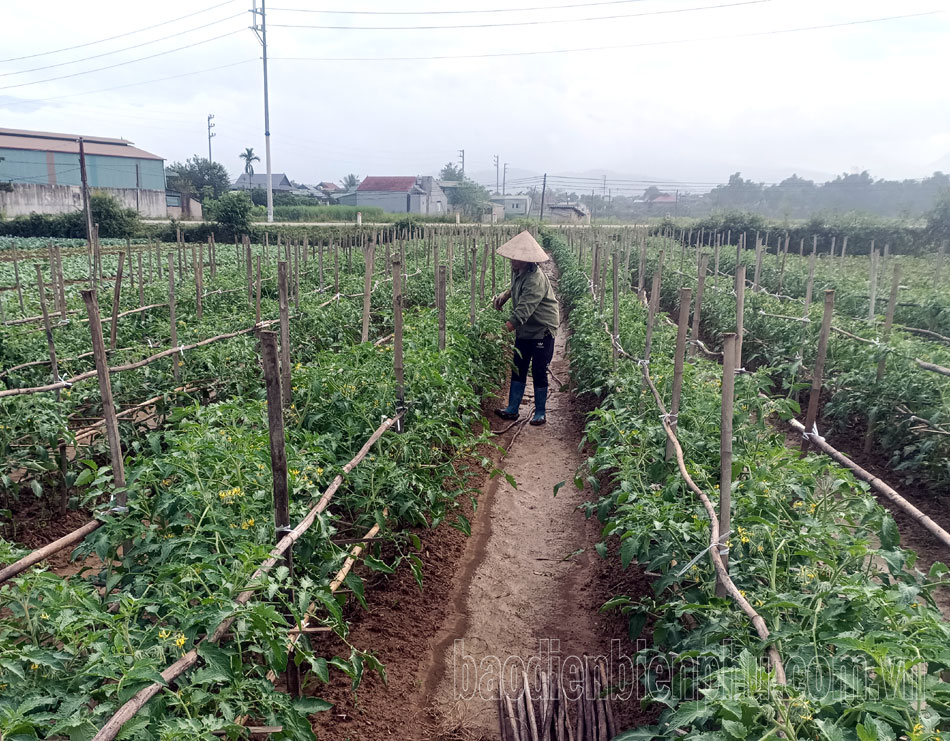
(534, 320)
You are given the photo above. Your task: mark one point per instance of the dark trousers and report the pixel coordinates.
(537, 353)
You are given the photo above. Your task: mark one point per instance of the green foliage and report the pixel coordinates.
(201, 510)
(249, 159)
(232, 212)
(198, 176)
(938, 218)
(114, 220)
(311, 212)
(350, 182)
(863, 644)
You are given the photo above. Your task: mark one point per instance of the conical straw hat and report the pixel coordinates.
(524, 247)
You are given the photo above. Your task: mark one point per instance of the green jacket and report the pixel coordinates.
(534, 305)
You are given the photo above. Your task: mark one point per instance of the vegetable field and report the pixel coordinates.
(783, 605)
(321, 397)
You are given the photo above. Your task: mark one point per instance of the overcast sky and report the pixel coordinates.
(692, 91)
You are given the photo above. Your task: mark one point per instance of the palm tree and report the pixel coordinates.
(249, 158)
(351, 181)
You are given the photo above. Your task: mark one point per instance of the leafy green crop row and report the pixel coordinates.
(863, 645)
(201, 520)
(786, 350)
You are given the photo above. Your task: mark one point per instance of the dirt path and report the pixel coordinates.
(533, 583)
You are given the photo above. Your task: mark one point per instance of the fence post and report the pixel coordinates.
(882, 361)
(369, 251)
(197, 252)
(116, 291)
(686, 295)
(729, 352)
(642, 267)
(651, 316)
(815, 394)
(284, 331)
(278, 462)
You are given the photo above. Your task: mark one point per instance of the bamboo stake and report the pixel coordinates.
(54, 367)
(685, 298)
(257, 298)
(284, 310)
(882, 361)
(809, 286)
(725, 449)
(740, 312)
(16, 277)
(441, 303)
(176, 362)
(697, 309)
(398, 368)
(368, 259)
(529, 707)
(616, 307)
(278, 457)
(815, 394)
(872, 299)
(116, 291)
(138, 256)
(105, 391)
(471, 307)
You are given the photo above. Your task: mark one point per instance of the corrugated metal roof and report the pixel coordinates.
(388, 184)
(42, 141)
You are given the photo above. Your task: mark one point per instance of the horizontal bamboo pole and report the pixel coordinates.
(877, 484)
(113, 726)
(41, 554)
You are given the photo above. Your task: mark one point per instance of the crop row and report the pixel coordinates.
(811, 550)
(201, 519)
(906, 409)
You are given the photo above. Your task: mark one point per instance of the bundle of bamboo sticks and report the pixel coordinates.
(575, 707)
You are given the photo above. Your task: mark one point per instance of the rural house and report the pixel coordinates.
(567, 213)
(515, 206)
(399, 195)
(279, 181)
(42, 173)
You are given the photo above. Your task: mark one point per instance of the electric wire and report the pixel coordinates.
(122, 64)
(35, 101)
(613, 47)
(126, 48)
(542, 22)
(117, 36)
(455, 12)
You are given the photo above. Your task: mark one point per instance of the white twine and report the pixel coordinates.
(813, 434)
(181, 350)
(722, 551)
(63, 381)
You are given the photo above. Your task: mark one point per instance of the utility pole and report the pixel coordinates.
(210, 135)
(496, 173)
(461, 154)
(261, 32)
(544, 188)
(504, 180)
(85, 195)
